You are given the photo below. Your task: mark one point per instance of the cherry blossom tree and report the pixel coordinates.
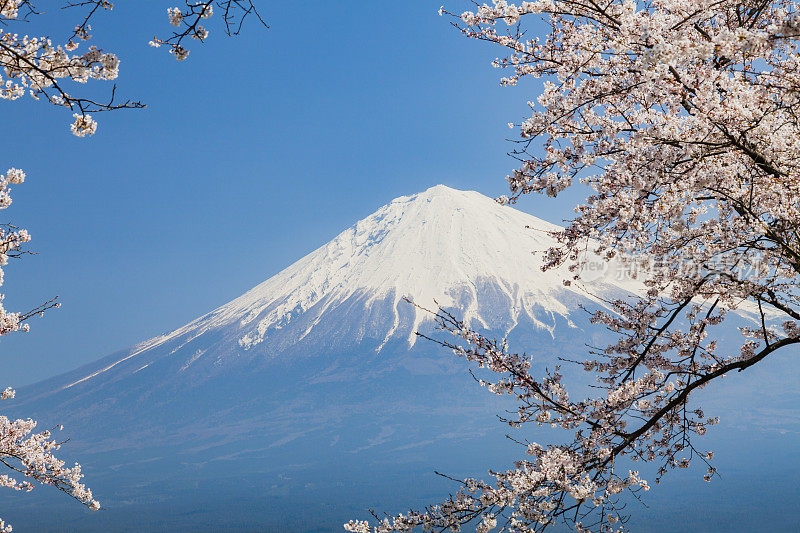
(36, 67)
(681, 119)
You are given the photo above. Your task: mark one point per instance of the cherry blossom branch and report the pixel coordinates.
(37, 67)
(187, 20)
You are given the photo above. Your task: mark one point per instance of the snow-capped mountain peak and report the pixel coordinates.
(428, 247)
(457, 249)
(421, 247)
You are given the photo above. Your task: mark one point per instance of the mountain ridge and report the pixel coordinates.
(441, 245)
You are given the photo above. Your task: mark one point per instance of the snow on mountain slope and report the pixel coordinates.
(418, 246)
(440, 245)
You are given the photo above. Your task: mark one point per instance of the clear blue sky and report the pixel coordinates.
(250, 154)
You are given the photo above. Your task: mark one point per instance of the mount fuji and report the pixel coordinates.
(313, 383)
(456, 249)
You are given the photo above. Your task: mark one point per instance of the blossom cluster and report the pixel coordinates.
(36, 66)
(188, 22)
(31, 455)
(84, 125)
(189, 18)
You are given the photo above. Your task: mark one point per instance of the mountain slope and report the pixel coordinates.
(459, 249)
(318, 365)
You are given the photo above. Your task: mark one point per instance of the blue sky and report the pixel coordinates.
(252, 153)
